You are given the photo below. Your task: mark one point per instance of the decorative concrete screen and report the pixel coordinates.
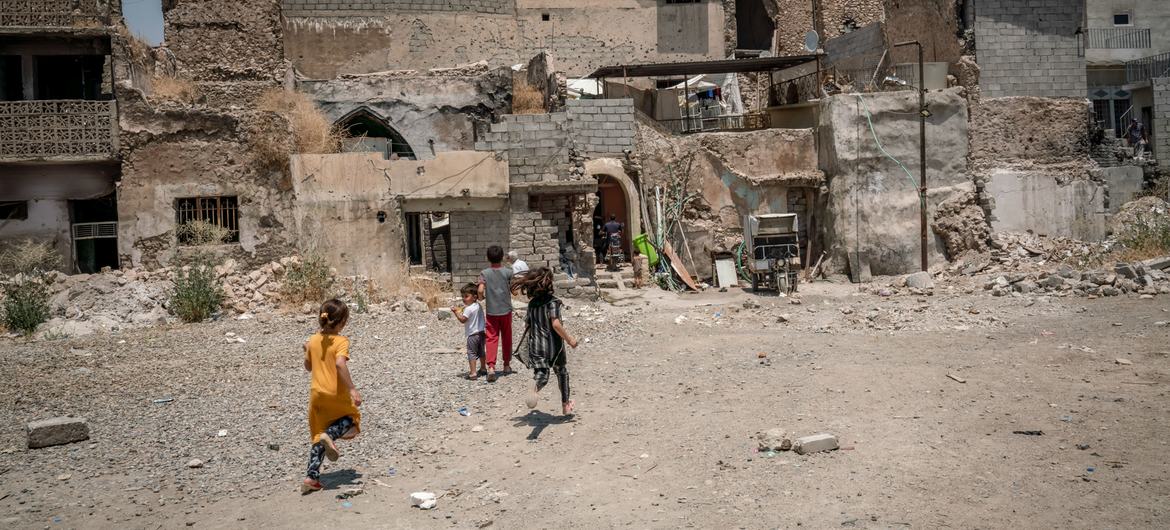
(57, 129)
(54, 13)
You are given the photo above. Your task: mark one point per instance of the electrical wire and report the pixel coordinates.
(873, 132)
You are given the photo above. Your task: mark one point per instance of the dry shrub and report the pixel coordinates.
(173, 89)
(294, 124)
(199, 233)
(429, 289)
(526, 99)
(28, 257)
(310, 280)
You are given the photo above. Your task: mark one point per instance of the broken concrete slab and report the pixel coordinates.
(56, 431)
(816, 443)
(1161, 263)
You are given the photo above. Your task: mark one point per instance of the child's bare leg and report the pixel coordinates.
(541, 376)
(563, 383)
(471, 369)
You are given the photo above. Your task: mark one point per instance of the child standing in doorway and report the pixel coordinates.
(547, 336)
(471, 315)
(495, 290)
(333, 399)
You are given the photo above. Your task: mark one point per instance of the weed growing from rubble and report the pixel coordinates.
(526, 99)
(197, 294)
(311, 280)
(200, 233)
(303, 129)
(26, 293)
(173, 89)
(1147, 237)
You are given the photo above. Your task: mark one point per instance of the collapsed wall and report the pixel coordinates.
(733, 174)
(871, 218)
(1030, 160)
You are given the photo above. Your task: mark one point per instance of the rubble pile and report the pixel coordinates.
(1146, 278)
(82, 304)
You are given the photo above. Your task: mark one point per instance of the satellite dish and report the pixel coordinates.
(811, 40)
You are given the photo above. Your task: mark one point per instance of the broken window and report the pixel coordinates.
(11, 78)
(369, 133)
(13, 211)
(68, 76)
(753, 26)
(218, 211)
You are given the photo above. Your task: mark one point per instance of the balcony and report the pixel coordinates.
(709, 122)
(55, 13)
(1146, 68)
(58, 130)
(1117, 38)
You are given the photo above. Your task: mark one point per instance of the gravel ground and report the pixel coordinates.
(669, 407)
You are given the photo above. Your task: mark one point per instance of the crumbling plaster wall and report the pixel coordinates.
(170, 153)
(872, 208)
(934, 23)
(325, 39)
(735, 174)
(1030, 161)
(433, 111)
(47, 222)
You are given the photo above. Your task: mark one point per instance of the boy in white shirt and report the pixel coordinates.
(472, 317)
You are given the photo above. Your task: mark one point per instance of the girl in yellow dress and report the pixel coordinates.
(333, 400)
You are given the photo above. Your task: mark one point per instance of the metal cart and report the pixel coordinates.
(773, 251)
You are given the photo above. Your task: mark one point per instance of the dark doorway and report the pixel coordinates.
(428, 240)
(95, 233)
(611, 202)
(753, 26)
(369, 133)
(11, 78)
(69, 76)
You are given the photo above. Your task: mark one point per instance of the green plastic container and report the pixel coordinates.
(642, 243)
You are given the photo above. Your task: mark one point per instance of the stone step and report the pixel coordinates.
(611, 283)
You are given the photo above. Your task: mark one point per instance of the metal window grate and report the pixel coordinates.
(219, 211)
(103, 230)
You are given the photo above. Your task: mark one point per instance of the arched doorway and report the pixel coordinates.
(611, 204)
(617, 196)
(369, 133)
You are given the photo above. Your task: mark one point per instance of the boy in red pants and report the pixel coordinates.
(496, 292)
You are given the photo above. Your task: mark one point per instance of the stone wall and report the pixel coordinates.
(1030, 47)
(232, 50)
(536, 145)
(327, 39)
(602, 127)
(1161, 125)
(934, 23)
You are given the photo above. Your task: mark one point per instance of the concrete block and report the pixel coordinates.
(816, 443)
(56, 431)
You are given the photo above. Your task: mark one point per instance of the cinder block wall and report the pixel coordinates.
(1161, 125)
(536, 146)
(1030, 47)
(471, 234)
(602, 127)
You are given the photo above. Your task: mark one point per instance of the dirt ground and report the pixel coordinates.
(665, 436)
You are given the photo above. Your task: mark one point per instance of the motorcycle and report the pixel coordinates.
(613, 251)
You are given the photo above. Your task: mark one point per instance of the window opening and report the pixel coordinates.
(1122, 19)
(219, 211)
(11, 78)
(13, 210)
(368, 133)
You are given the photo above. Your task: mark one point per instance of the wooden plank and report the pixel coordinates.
(679, 268)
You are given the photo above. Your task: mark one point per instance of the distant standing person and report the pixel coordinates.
(496, 292)
(333, 400)
(1136, 133)
(518, 265)
(611, 229)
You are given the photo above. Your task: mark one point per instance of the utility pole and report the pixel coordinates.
(922, 113)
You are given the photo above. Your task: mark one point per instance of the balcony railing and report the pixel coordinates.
(58, 130)
(727, 122)
(1146, 68)
(54, 13)
(1117, 38)
(797, 90)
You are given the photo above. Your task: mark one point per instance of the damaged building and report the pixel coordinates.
(446, 127)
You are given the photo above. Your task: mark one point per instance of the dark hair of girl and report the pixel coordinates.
(333, 313)
(536, 282)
